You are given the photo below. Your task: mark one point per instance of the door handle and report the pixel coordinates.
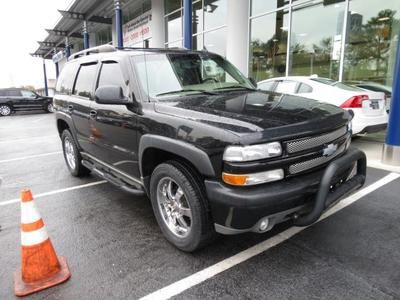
(93, 114)
(70, 107)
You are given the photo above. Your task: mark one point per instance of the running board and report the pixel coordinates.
(119, 182)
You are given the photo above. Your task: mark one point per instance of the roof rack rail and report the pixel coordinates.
(93, 50)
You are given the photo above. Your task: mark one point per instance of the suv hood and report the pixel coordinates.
(246, 112)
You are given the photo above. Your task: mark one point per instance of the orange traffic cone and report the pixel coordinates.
(41, 268)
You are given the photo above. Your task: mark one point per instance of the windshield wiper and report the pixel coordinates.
(186, 90)
(235, 87)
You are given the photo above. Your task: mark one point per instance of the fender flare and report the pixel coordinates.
(197, 157)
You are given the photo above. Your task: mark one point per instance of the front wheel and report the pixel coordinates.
(180, 207)
(72, 156)
(5, 110)
(50, 108)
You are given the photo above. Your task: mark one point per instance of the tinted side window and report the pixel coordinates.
(266, 86)
(66, 79)
(13, 93)
(28, 94)
(305, 88)
(2, 93)
(111, 74)
(85, 80)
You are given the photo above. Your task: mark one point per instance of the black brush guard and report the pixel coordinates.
(327, 196)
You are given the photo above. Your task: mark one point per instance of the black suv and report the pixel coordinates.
(15, 99)
(212, 153)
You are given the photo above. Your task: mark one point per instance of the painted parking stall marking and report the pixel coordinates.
(29, 157)
(72, 188)
(207, 273)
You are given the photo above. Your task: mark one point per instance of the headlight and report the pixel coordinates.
(253, 179)
(254, 152)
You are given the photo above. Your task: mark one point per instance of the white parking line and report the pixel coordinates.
(29, 157)
(201, 276)
(72, 188)
(28, 139)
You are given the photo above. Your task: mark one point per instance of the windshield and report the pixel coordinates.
(337, 84)
(167, 74)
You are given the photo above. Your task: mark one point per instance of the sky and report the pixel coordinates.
(22, 24)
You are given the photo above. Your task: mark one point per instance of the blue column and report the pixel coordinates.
(57, 70)
(391, 152)
(46, 90)
(85, 35)
(118, 24)
(187, 24)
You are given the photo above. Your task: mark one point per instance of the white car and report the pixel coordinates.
(369, 107)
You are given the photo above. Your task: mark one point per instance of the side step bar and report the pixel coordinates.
(119, 182)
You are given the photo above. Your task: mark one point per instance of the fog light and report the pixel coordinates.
(264, 224)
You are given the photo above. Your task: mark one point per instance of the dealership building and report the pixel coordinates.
(347, 40)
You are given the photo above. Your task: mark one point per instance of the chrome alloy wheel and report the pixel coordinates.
(5, 110)
(50, 107)
(174, 208)
(69, 153)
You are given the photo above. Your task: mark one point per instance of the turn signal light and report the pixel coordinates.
(252, 179)
(354, 102)
(234, 179)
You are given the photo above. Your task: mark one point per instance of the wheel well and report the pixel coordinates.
(152, 157)
(61, 126)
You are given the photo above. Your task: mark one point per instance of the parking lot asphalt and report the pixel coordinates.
(116, 250)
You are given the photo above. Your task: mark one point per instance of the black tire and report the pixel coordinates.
(76, 168)
(201, 231)
(5, 110)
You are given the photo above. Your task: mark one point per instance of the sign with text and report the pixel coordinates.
(137, 30)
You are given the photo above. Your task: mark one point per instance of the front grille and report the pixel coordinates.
(315, 162)
(312, 142)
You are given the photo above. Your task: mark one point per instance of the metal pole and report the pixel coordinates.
(85, 35)
(343, 41)
(289, 40)
(67, 48)
(57, 70)
(46, 90)
(118, 24)
(391, 149)
(187, 24)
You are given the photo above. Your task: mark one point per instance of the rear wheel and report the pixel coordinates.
(5, 110)
(72, 156)
(180, 206)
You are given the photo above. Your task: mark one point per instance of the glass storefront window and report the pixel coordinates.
(171, 5)
(316, 39)
(268, 45)
(261, 6)
(215, 41)
(371, 42)
(214, 13)
(174, 26)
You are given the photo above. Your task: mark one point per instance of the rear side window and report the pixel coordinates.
(286, 87)
(85, 81)
(111, 74)
(66, 79)
(304, 88)
(266, 86)
(2, 93)
(13, 93)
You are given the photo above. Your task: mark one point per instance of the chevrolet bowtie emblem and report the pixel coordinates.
(329, 150)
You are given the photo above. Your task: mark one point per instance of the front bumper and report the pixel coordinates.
(302, 198)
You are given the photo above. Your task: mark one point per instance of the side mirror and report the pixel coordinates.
(110, 94)
(253, 82)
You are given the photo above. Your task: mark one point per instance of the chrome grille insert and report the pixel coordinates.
(311, 142)
(315, 162)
